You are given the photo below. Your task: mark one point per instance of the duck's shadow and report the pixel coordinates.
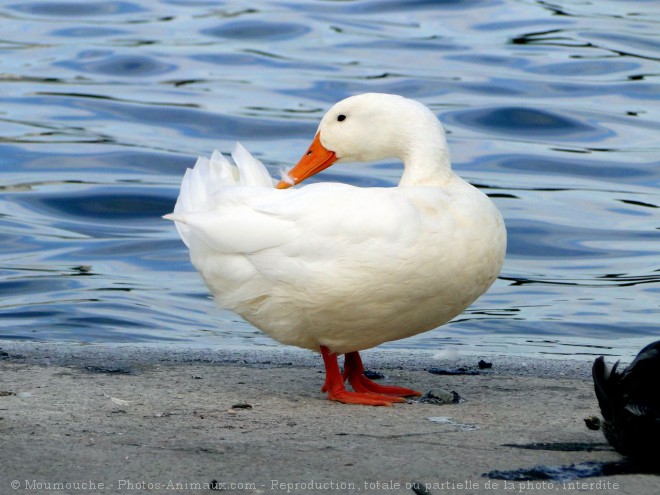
(587, 469)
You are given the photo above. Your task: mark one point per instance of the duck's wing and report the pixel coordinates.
(320, 220)
(245, 236)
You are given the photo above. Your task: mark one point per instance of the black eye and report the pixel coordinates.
(341, 117)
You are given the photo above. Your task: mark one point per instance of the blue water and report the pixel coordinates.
(550, 107)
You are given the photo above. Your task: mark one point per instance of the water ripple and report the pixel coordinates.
(549, 108)
(119, 65)
(529, 123)
(76, 9)
(251, 31)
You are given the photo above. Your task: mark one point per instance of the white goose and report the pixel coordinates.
(336, 268)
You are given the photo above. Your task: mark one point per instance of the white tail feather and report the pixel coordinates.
(202, 183)
(251, 170)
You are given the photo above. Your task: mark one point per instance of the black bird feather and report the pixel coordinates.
(630, 404)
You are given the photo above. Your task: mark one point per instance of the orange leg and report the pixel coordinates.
(334, 385)
(354, 373)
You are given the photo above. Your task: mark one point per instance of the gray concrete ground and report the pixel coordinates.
(159, 419)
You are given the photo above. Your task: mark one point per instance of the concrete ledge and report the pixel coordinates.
(151, 419)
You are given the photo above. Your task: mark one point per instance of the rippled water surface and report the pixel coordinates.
(551, 108)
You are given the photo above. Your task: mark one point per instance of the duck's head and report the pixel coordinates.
(364, 128)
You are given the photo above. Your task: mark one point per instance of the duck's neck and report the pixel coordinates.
(427, 161)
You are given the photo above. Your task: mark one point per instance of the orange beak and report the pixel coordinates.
(316, 159)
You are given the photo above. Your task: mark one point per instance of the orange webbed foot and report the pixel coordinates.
(354, 373)
(334, 386)
(366, 392)
(361, 383)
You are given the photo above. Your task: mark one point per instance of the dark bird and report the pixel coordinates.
(630, 404)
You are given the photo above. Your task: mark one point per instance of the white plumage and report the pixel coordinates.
(340, 266)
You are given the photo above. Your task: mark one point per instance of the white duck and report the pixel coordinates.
(336, 268)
